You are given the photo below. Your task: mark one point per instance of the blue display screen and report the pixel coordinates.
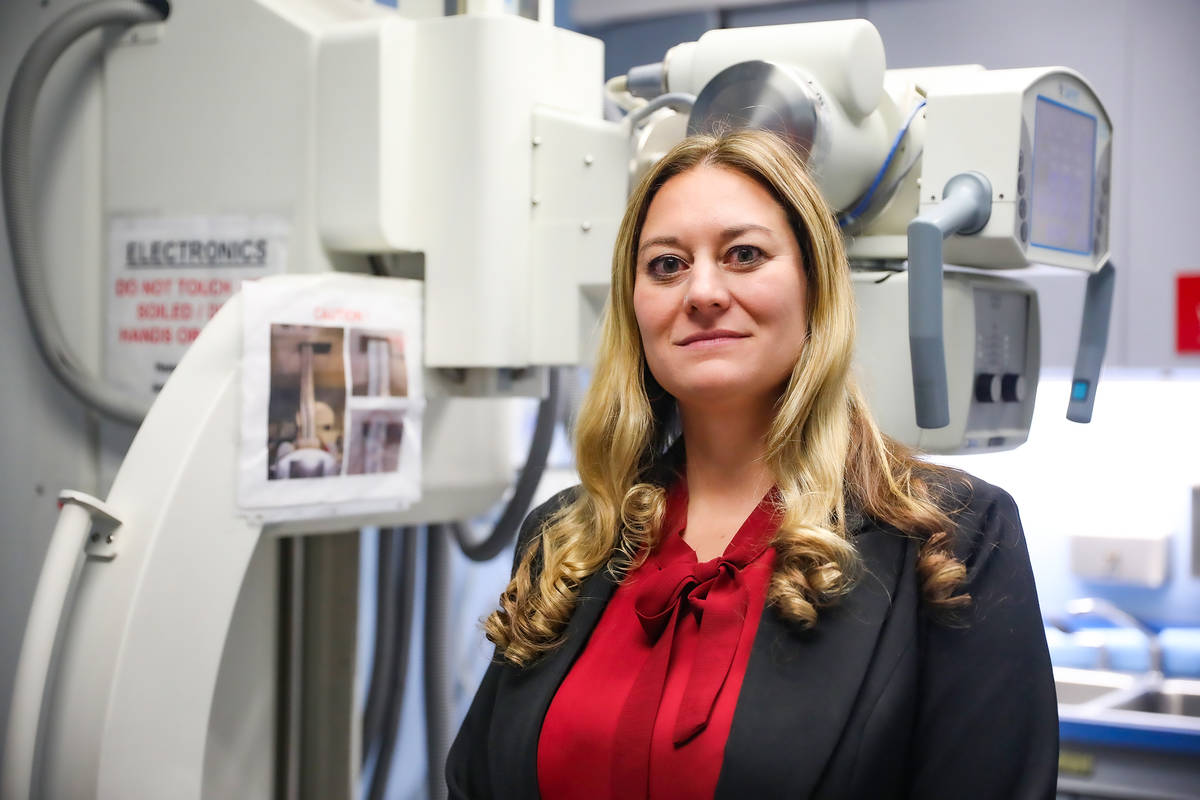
(1079, 390)
(1064, 172)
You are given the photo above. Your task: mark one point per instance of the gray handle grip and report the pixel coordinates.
(1093, 340)
(965, 208)
(925, 336)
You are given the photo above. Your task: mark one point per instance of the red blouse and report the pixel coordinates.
(646, 709)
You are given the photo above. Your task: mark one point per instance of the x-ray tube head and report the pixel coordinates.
(819, 85)
(842, 152)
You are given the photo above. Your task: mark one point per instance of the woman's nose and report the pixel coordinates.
(706, 288)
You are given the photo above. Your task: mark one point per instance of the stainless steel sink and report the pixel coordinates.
(1124, 734)
(1080, 686)
(1181, 697)
(1145, 701)
(1127, 735)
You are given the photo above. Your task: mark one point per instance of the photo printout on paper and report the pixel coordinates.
(167, 277)
(332, 399)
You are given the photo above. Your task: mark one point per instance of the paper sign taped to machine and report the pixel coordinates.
(168, 276)
(332, 398)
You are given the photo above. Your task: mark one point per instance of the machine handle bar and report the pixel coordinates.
(1093, 340)
(79, 516)
(965, 208)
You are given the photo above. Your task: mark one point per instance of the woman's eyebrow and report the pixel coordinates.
(727, 234)
(669, 241)
(733, 233)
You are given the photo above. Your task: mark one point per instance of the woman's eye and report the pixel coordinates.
(745, 255)
(666, 266)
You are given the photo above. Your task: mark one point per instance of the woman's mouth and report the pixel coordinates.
(710, 338)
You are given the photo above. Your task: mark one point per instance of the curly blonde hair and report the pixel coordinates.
(823, 448)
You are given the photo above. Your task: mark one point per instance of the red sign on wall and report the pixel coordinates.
(1187, 313)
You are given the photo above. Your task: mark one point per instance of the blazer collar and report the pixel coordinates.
(530, 691)
(799, 686)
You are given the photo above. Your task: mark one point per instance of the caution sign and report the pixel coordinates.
(332, 396)
(168, 276)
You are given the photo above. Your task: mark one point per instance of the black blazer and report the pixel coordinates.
(876, 701)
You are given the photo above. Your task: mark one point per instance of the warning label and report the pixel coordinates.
(168, 277)
(1187, 313)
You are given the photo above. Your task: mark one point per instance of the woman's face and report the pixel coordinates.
(719, 294)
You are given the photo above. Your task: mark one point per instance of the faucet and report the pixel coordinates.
(1099, 607)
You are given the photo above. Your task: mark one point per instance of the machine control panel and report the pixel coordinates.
(991, 387)
(1005, 366)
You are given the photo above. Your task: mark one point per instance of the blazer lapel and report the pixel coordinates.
(522, 706)
(800, 686)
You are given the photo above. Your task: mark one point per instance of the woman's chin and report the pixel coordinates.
(723, 396)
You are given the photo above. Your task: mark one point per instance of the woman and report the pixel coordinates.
(753, 593)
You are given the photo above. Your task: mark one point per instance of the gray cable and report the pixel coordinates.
(679, 101)
(505, 530)
(404, 542)
(437, 659)
(646, 80)
(386, 605)
(17, 168)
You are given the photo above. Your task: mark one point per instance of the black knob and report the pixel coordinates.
(987, 387)
(1012, 387)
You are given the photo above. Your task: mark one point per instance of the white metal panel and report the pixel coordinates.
(218, 116)
(475, 174)
(579, 188)
(474, 178)
(240, 756)
(365, 188)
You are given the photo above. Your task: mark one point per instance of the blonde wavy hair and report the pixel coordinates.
(823, 447)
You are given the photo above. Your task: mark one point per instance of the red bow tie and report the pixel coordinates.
(714, 593)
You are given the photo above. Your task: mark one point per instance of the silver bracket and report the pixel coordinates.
(103, 540)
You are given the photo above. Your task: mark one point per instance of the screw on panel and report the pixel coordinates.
(586, 226)
(588, 159)
(533, 201)
(537, 140)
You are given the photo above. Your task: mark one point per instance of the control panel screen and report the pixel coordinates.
(1064, 169)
